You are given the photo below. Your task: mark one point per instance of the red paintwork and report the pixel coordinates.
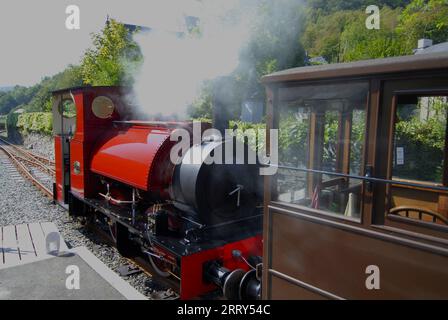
(192, 285)
(130, 154)
(58, 166)
(88, 129)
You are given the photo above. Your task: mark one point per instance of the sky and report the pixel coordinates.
(36, 43)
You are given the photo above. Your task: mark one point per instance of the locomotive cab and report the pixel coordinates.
(75, 128)
(64, 126)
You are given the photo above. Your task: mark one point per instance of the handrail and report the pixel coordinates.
(369, 179)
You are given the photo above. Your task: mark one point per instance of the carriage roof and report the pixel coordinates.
(362, 68)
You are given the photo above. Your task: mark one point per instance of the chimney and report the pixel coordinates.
(222, 102)
(424, 43)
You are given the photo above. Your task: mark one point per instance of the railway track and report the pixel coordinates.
(39, 170)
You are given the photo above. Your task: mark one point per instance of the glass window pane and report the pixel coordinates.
(357, 141)
(322, 128)
(418, 156)
(419, 141)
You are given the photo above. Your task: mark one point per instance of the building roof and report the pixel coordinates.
(440, 47)
(419, 62)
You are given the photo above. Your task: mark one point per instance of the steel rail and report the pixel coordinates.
(41, 158)
(37, 164)
(29, 154)
(24, 170)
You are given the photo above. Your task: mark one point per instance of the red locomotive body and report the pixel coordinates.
(198, 222)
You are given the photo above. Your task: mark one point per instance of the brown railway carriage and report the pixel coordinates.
(358, 208)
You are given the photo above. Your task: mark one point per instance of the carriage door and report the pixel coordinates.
(319, 195)
(413, 129)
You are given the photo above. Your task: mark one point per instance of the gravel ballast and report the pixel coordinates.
(40, 144)
(21, 202)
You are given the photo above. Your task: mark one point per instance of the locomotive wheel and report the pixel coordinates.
(231, 284)
(249, 287)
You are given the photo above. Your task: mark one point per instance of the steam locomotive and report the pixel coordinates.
(198, 222)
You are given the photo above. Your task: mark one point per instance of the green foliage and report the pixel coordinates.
(430, 133)
(293, 140)
(336, 29)
(275, 42)
(424, 19)
(328, 6)
(275, 45)
(19, 95)
(38, 97)
(113, 58)
(42, 101)
(423, 143)
(202, 106)
(41, 122)
(11, 121)
(2, 122)
(357, 141)
(323, 32)
(360, 43)
(331, 128)
(255, 133)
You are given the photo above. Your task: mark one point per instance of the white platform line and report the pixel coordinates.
(107, 274)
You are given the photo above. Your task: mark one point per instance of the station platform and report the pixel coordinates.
(39, 272)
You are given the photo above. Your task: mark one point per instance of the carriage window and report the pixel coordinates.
(419, 140)
(419, 156)
(322, 128)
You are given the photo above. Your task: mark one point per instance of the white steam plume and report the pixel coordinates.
(174, 68)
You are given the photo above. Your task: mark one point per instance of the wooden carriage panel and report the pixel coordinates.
(329, 259)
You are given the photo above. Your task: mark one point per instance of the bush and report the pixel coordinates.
(41, 122)
(11, 120)
(256, 142)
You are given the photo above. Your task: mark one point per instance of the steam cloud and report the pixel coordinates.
(174, 68)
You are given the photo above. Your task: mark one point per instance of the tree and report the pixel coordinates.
(328, 6)
(113, 58)
(342, 36)
(274, 45)
(359, 43)
(323, 32)
(424, 19)
(42, 98)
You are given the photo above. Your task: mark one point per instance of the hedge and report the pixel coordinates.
(2, 122)
(41, 122)
(11, 120)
